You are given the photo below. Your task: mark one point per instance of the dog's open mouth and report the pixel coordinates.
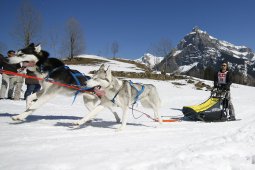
(28, 60)
(99, 92)
(28, 63)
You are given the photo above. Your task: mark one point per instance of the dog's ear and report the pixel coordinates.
(38, 48)
(107, 68)
(31, 45)
(101, 67)
(109, 74)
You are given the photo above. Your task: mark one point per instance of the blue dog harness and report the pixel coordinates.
(78, 83)
(139, 92)
(75, 76)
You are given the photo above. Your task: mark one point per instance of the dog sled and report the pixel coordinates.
(216, 108)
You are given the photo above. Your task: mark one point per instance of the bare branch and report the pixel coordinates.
(73, 43)
(115, 48)
(3, 48)
(53, 41)
(162, 48)
(28, 24)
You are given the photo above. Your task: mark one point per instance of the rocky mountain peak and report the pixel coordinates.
(200, 51)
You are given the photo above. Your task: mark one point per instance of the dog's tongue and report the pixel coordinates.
(29, 63)
(99, 92)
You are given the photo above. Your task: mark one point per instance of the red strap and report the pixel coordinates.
(41, 79)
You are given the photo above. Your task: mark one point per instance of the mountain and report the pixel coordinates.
(199, 54)
(149, 60)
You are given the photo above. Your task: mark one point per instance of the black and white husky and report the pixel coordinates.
(55, 70)
(122, 93)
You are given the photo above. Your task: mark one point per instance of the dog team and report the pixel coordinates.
(50, 77)
(101, 91)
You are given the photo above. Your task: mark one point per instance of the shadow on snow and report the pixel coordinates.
(94, 123)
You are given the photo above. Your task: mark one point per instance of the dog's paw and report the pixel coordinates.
(119, 129)
(17, 118)
(79, 123)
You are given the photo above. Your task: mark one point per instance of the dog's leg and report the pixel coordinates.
(157, 115)
(90, 115)
(115, 114)
(110, 105)
(42, 98)
(124, 119)
(90, 101)
(156, 112)
(30, 99)
(148, 103)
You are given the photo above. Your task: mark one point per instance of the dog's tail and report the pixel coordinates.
(151, 97)
(156, 96)
(129, 91)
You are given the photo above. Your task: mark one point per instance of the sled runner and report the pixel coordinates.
(216, 108)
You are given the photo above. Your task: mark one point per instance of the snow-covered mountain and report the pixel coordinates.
(149, 60)
(199, 53)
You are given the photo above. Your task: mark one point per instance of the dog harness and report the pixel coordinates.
(76, 75)
(139, 92)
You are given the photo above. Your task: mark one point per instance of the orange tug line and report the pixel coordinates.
(171, 120)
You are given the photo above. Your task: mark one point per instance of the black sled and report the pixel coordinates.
(214, 109)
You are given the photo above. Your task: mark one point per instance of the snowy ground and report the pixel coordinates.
(46, 141)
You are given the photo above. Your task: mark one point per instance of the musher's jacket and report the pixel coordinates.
(222, 80)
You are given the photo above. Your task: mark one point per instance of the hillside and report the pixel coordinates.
(120, 67)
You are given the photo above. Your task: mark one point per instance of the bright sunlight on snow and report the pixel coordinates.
(47, 141)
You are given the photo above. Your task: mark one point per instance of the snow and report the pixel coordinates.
(234, 49)
(213, 38)
(46, 140)
(149, 60)
(177, 52)
(185, 68)
(114, 65)
(235, 56)
(235, 53)
(225, 43)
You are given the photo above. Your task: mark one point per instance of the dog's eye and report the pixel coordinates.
(19, 53)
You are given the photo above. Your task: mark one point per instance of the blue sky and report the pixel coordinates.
(136, 24)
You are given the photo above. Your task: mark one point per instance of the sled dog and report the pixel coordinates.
(122, 93)
(52, 69)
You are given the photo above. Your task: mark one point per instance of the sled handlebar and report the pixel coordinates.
(219, 90)
(221, 93)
